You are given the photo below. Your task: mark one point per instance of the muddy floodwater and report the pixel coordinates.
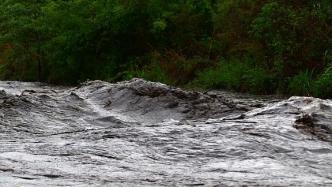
(140, 133)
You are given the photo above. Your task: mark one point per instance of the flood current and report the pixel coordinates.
(140, 133)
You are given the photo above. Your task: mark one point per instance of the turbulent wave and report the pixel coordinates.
(139, 133)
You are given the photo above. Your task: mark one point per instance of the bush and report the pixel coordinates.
(239, 76)
(152, 72)
(323, 85)
(170, 68)
(260, 81)
(301, 84)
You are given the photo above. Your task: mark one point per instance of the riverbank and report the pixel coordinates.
(260, 47)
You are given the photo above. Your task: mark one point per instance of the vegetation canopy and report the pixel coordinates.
(258, 46)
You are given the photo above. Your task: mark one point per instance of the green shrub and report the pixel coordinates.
(301, 84)
(239, 76)
(260, 81)
(323, 85)
(224, 76)
(151, 72)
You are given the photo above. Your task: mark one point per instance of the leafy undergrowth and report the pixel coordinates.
(238, 75)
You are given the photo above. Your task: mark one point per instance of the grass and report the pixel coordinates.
(238, 76)
(301, 84)
(323, 85)
(243, 75)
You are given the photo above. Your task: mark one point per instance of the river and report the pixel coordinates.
(139, 133)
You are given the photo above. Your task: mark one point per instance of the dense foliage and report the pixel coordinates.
(260, 46)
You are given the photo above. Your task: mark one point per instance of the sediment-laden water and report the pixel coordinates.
(140, 133)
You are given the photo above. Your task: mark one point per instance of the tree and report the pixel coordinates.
(20, 29)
